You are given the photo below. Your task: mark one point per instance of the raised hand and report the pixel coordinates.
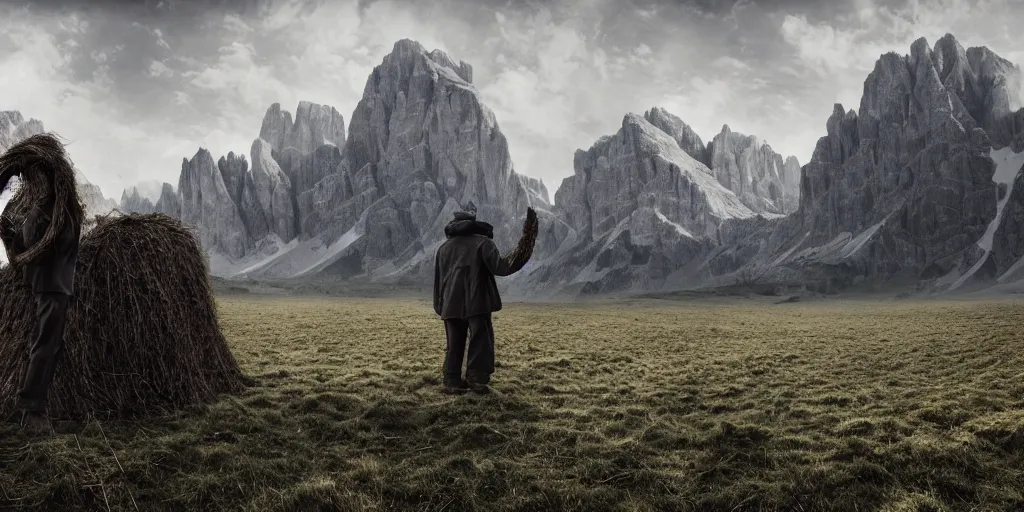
(530, 225)
(524, 249)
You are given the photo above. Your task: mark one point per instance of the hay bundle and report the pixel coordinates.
(519, 256)
(142, 334)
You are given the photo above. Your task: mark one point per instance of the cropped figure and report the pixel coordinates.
(466, 294)
(41, 227)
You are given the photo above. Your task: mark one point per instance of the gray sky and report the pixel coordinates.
(137, 86)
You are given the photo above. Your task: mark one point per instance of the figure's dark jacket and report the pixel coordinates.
(464, 270)
(54, 270)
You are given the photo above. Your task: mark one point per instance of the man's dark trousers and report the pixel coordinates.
(51, 312)
(480, 365)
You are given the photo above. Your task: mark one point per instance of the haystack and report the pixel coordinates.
(142, 335)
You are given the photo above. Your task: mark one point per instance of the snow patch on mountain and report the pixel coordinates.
(858, 242)
(679, 229)
(333, 250)
(723, 202)
(1008, 165)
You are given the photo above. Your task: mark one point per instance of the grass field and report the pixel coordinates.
(633, 406)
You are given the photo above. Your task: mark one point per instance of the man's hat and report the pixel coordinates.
(468, 212)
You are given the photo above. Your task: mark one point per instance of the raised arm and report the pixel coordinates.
(514, 261)
(493, 260)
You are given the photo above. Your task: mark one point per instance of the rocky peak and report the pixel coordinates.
(14, 127)
(92, 197)
(921, 127)
(984, 87)
(950, 59)
(273, 191)
(233, 170)
(142, 197)
(169, 203)
(752, 170)
(315, 125)
(536, 188)
(687, 139)
(420, 143)
(842, 137)
(133, 201)
(277, 127)
(206, 203)
(463, 69)
(643, 166)
(791, 174)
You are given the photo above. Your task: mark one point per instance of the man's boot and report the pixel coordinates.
(455, 387)
(36, 423)
(15, 417)
(478, 384)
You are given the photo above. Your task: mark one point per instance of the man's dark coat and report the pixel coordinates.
(54, 270)
(464, 270)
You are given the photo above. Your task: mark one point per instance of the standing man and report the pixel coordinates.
(45, 246)
(466, 294)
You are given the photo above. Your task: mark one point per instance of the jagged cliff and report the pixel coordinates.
(916, 186)
(763, 180)
(638, 206)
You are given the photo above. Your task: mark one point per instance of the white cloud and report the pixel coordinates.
(159, 69)
(730, 63)
(820, 46)
(157, 33)
(182, 98)
(235, 24)
(647, 13)
(111, 150)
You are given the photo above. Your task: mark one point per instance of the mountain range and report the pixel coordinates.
(916, 187)
(421, 143)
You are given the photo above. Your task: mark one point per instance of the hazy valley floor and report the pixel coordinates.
(638, 405)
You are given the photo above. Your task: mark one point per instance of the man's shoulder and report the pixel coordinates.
(463, 240)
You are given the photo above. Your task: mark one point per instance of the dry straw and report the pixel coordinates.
(142, 335)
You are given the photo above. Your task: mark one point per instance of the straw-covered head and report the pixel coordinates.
(48, 181)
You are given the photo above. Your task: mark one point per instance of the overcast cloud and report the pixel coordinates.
(137, 86)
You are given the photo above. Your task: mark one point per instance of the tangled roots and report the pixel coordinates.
(142, 335)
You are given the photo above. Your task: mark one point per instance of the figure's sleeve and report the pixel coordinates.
(437, 282)
(514, 261)
(493, 260)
